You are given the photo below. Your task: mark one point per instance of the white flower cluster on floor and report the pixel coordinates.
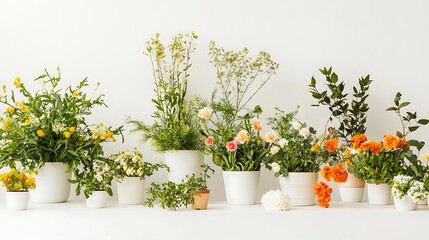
(405, 185)
(275, 200)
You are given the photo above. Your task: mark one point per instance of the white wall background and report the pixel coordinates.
(103, 40)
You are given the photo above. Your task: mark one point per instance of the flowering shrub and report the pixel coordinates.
(233, 134)
(297, 150)
(131, 164)
(175, 126)
(49, 125)
(15, 181)
(275, 201)
(406, 185)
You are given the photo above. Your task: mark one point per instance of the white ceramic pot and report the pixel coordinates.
(17, 200)
(379, 194)
(51, 184)
(131, 191)
(241, 187)
(98, 199)
(405, 204)
(424, 202)
(352, 190)
(182, 163)
(299, 187)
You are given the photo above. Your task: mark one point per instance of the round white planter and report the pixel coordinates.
(98, 199)
(241, 187)
(299, 187)
(52, 184)
(17, 200)
(182, 163)
(424, 202)
(379, 194)
(131, 191)
(405, 204)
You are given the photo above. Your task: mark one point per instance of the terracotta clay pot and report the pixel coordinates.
(201, 199)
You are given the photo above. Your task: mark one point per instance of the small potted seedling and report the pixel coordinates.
(198, 188)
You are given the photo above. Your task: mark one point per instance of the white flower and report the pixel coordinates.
(353, 151)
(275, 201)
(274, 150)
(304, 132)
(296, 125)
(130, 171)
(99, 177)
(424, 156)
(283, 142)
(205, 113)
(275, 166)
(140, 172)
(135, 159)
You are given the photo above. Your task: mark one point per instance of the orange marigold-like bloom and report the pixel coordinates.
(357, 140)
(67, 134)
(375, 147)
(72, 129)
(326, 172)
(389, 142)
(324, 202)
(323, 193)
(339, 174)
(402, 143)
(316, 147)
(106, 136)
(331, 144)
(40, 133)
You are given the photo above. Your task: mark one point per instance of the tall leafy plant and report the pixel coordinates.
(175, 126)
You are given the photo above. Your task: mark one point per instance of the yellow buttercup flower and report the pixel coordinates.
(106, 136)
(76, 94)
(40, 133)
(9, 109)
(6, 125)
(72, 129)
(67, 134)
(16, 82)
(94, 133)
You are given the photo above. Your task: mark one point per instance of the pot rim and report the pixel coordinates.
(181, 151)
(200, 191)
(242, 171)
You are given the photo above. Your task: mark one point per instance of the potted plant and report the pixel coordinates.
(130, 172)
(96, 179)
(233, 134)
(17, 185)
(198, 188)
(407, 192)
(169, 195)
(175, 130)
(47, 132)
(295, 159)
(351, 117)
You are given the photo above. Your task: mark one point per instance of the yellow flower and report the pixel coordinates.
(95, 142)
(16, 82)
(72, 129)
(76, 94)
(67, 134)
(6, 125)
(9, 109)
(105, 136)
(114, 139)
(24, 108)
(27, 121)
(40, 133)
(94, 133)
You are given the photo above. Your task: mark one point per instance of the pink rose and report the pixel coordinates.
(231, 146)
(209, 141)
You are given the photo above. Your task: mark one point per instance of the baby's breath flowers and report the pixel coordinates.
(275, 201)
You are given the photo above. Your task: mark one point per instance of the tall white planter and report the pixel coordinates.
(241, 187)
(51, 184)
(299, 187)
(405, 204)
(131, 191)
(379, 194)
(182, 163)
(98, 199)
(17, 200)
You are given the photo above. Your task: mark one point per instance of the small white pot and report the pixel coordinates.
(131, 191)
(52, 184)
(424, 202)
(98, 199)
(182, 163)
(299, 187)
(379, 194)
(351, 194)
(405, 204)
(17, 200)
(241, 187)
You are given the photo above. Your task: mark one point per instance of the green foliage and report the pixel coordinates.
(296, 152)
(49, 125)
(131, 164)
(351, 116)
(199, 183)
(175, 126)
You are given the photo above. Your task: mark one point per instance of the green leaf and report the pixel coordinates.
(413, 143)
(392, 109)
(404, 104)
(413, 128)
(423, 121)
(399, 134)
(334, 77)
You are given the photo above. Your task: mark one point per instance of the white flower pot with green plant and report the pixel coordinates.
(232, 132)
(407, 192)
(17, 185)
(295, 158)
(95, 178)
(47, 133)
(175, 129)
(130, 172)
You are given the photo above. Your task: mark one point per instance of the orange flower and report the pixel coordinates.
(76, 94)
(324, 202)
(316, 147)
(357, 140)
(402, 143)
(331, 144)
(256, 124)
(375, 147)
(67, 134)
(106, 136)
(323, 193)
(40, 133)
(326, 172)
(349, 162)
(389, 142)
(72, 129)
(339, 174)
